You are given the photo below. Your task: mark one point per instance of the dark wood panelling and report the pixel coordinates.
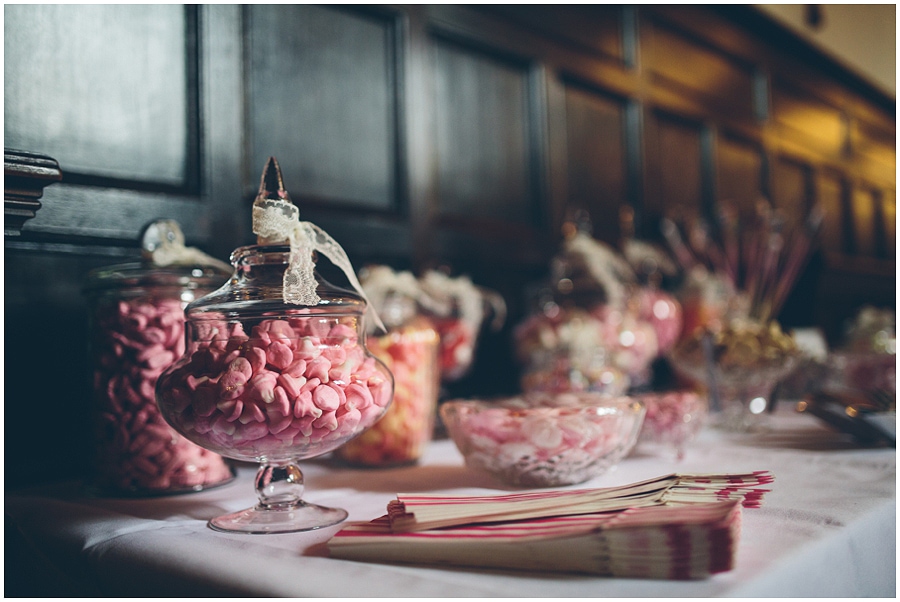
(597, 181)
(889, 216)
(675, 170)
(103, 89)
(875, 147)
(790, 184)
(482, 135)
(599, 29)
(720, 83)
(836, 226)
(808, 122)
(864, 218)
(739, 166)
(322, 89)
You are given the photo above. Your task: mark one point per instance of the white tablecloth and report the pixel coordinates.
(828, 528)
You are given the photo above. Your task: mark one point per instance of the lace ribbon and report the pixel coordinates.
(280, 220)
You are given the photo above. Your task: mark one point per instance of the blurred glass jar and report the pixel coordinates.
(136, 332)
(410, 351)
(458, 309)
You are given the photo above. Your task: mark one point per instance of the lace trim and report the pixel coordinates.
(278, 220)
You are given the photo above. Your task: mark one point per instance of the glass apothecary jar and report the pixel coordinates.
(136, 332)
(410, 350)
(275, 368)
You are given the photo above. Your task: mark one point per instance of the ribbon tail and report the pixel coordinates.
(325, 244)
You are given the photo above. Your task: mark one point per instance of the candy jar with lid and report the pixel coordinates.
(275, 368)
(458, 311)
(587, 327)
(409, 349)
(137, 331)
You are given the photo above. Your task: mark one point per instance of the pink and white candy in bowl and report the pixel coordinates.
(543, 439)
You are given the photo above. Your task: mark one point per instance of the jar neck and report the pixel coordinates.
(245, 258)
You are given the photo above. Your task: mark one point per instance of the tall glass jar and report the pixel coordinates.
(410, 350)
(275, 368)
(137, 331)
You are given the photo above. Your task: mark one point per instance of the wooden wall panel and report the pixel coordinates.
(597, 180)
(876, 149)
(889, 217)
(720, 83)
(483, 135)
(103, 89)
(739, 178)
(790, 183)
(675, 167)
(865, 221)
(836, 226)
(808, 121)
(599, 29)
(322, 99)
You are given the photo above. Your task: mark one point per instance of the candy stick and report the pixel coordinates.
(672, 235)
(797, 257)
(728, 226)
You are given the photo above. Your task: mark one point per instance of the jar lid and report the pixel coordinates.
(165, 262)
(257, 290)
(277, 276)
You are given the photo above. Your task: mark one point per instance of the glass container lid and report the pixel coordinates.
(277, 276)
(165, 262)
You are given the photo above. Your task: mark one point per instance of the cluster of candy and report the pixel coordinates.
(560, 372)
(136, 449)
(293, 388)
(673, 419)
(598, 343)
(741, 345)
(664, 314)
(558, 441)
(401, 435)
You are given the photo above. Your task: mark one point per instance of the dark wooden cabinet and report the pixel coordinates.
(419, 136)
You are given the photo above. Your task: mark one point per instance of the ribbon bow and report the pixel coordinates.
(277, 219)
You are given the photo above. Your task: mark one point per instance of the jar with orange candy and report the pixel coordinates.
(409, 349)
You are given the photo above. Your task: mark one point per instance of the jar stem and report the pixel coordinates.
(279, 485)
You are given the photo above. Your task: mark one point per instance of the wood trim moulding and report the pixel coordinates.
(26, 174)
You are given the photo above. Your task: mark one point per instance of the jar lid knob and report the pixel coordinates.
(162, 244)
(271, 188)
(276, 220)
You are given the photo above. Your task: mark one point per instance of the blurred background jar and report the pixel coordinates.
(409, 349)
(137, 331)
(595, 326)
(459, 310)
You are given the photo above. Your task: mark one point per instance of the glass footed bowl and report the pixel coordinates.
(673, 420)
(272, 383)
(744, 391)
(291, 389)
(544, 440)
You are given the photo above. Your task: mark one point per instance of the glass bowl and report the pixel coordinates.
(740, 366)
(544, 440)
(672, 421)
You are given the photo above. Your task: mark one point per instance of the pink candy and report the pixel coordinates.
(294, 387)
(663, 312)
(136, 450)
(673, 419)
(545, 440)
